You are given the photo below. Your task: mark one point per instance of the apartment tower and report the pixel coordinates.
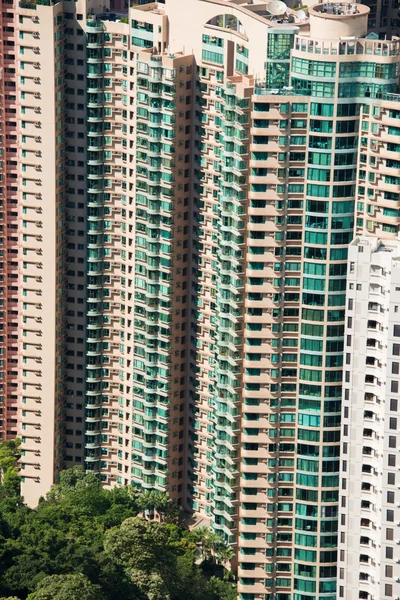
(369, 553)
(369, 528)
(190, 177)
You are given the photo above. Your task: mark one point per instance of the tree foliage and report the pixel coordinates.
(67, 587)
(9, 479)
(84, 542)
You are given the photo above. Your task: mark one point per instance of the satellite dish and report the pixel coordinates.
(276, 8)
(301, 15)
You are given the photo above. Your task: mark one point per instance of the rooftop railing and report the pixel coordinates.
(33, 3)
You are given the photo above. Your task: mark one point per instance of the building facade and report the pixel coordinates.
(369, 527)
(189, 179)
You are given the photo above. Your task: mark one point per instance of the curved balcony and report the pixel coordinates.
(95, 75)
(95, 45)
(98, 392)
(92, 419)
(95, 119)
(94, 405)
(95, 177)
(94, 60)
(95, 443)
(95, 134)
(92, 189)
(95, 145)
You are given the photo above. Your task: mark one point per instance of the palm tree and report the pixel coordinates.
(223, 555)
(153, 502)
(207, 541)
(211, 542)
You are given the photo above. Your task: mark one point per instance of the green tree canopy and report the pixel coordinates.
(67, 587)
(73, 480)
(160, 560)
(9, 478)
(85, 542)
(9, 454)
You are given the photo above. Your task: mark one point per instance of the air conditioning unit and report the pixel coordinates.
(36, 79)
(36, 65)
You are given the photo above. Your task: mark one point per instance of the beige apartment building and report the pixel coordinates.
(188, 179)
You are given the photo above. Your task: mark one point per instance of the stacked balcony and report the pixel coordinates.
(95, 239)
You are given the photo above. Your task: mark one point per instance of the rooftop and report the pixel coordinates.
(339, 10)
(259, 10)
(155, 8)
(377, 244)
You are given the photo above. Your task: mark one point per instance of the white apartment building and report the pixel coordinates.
(369, 525)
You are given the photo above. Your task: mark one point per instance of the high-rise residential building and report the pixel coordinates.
(369, 528)
(369, 504)
(384, 17)
(181, 186)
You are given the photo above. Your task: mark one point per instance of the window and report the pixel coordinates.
(319, 174)
(388, 571)
(322, 110)
(213, 57)
(396, 330)
(314, 68)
